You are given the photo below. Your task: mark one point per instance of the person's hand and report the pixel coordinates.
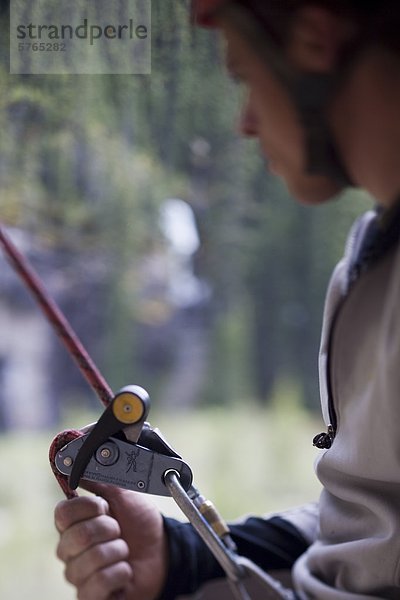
(110, 542)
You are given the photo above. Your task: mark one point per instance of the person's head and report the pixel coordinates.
(299, 59)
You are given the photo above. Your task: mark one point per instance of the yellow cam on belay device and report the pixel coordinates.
(122, 449)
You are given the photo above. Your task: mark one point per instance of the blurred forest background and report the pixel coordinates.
(184, 266)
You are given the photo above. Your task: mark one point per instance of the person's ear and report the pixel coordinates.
(315, 38)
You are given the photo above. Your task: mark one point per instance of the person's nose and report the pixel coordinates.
(248, 123)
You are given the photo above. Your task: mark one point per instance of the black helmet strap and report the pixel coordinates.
(311, 94)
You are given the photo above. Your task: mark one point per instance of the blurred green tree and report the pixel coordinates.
(85, 162)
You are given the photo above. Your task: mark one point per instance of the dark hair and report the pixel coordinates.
(357, 9)
(378, 20)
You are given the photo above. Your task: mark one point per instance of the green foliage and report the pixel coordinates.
(85, 162)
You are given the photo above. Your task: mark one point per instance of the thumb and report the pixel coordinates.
(100, 489)
(106, 491)
(117, 498)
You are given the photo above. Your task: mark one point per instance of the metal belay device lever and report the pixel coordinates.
(122, 449)
(240, 571)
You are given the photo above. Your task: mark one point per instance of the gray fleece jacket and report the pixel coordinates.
(355, 528)
(346, 546)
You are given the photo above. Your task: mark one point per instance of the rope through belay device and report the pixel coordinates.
(123, 449)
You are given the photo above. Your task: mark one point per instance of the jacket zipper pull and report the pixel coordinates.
(324, 441)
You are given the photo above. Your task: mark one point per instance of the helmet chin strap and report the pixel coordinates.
(311, 94)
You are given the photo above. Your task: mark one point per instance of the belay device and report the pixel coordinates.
(122, 449)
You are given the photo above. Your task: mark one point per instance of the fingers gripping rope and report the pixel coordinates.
(59, 442)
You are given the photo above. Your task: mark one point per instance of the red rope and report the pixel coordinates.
(60, 324)
(74, 347)
(59, 442)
